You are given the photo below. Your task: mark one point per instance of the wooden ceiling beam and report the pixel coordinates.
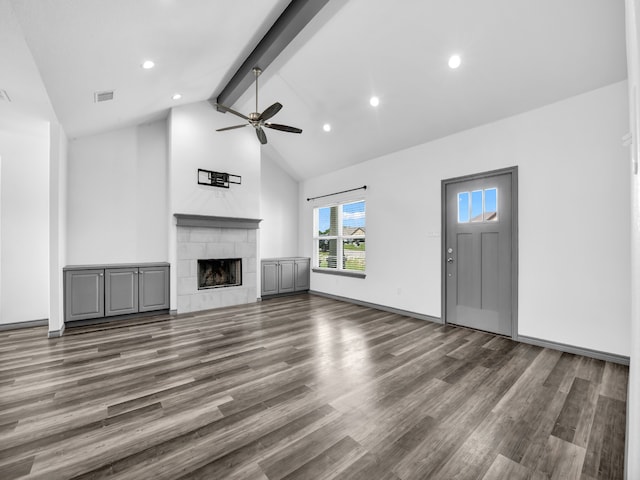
(291, 22)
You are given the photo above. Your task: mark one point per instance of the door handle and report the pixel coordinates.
(449, 260)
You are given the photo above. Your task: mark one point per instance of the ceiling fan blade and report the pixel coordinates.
(230, 110)
(261, 135)
(271, 111)
(284, 128)
(231, 128)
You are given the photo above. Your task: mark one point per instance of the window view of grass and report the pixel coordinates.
(354, 254)
(353, 257)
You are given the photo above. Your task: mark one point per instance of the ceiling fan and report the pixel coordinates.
(258, 120)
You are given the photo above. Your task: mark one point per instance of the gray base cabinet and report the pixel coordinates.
(111, 290)
(284, 275)
(83, 294)
(269, 277)
(154, 288)
(302, 273)
(287, 276)
(120, 291)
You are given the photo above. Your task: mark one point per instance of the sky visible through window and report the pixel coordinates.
(470, 207)
(490, 199)
(353, 215)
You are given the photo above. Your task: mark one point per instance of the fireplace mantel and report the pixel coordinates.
(207, 221)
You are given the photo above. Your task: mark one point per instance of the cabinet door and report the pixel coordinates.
(287, 276)
(302, 274)
(154, 288)
(121, 291)
(83, 294)
(269, 279)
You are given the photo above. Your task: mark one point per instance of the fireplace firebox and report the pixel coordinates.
(216, 273)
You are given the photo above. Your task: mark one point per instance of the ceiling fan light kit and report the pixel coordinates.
(257, 120)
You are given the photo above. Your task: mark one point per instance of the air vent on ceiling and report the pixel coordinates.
(4, 95)
(103, 96)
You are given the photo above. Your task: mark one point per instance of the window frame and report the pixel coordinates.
(470, 203)
(340, 238)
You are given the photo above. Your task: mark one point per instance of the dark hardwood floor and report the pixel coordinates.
(303, 387)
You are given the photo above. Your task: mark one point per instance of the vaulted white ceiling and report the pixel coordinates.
(517, 55)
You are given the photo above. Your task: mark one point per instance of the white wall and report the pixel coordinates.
(574, 209)
(279, 211)
(152, 202)
(117, 196)
(57, 224)
(633, 402)
(24, 204)
(25, 260)
(195, 144)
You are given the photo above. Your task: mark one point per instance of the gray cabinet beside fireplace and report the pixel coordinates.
(154, 288)
(96, 291)
(285, 275)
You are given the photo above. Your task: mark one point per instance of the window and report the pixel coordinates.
(339, 237)
(478, 206)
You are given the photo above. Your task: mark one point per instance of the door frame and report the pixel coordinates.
(513, 171)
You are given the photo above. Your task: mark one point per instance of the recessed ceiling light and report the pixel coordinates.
(148, 64)
(374, 101)
(326, 127)
(454, 61)
(176, 96)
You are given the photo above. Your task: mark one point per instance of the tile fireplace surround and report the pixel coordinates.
(203, 237)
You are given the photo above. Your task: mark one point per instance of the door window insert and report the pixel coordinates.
(478, 206)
